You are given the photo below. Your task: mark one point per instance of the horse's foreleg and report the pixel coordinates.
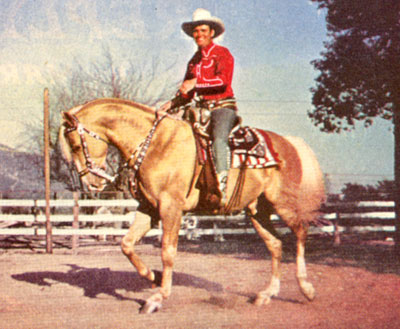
(306, 287)
(171, 222)
(140, 226)
(274, 245)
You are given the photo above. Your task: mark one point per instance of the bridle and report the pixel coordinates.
(93, 168)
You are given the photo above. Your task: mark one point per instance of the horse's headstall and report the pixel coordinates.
(68, 128)
(71, 124)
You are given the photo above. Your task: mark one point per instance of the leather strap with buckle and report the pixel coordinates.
(217, 104)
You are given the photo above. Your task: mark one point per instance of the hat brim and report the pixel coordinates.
(218, 27)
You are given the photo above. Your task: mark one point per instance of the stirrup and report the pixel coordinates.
(222, 178)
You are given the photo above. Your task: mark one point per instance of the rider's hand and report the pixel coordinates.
(187, 86)
(165, 107)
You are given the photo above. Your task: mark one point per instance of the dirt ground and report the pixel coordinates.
(357, 284)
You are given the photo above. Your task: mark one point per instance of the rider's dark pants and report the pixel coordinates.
(222, 122)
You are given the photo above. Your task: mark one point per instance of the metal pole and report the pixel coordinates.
(49, 238)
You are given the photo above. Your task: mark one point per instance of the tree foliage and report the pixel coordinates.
(383, 190)
(359, 70)
(147, 81)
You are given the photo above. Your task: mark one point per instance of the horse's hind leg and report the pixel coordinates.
(306, 287)
(140, 226)
(264, 228)
(296, 221)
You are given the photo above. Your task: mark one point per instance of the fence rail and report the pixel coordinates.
(69, 203)
(340, 217)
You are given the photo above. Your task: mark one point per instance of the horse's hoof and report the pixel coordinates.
(260, 301)
(150, 307)
(308, 290)
(310, 295)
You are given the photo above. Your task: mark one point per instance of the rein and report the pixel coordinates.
(93, 168)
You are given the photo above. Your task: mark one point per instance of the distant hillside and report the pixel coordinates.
(5, 148)
(11, 132)
(20, 171)
(22, 175)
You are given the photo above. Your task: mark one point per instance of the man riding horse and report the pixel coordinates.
(291, 185)
(208, 79)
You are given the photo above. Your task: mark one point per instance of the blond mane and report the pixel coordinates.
(117, 101)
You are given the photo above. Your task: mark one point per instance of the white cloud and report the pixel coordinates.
(9, 74)
(84, 14)
(20, 73)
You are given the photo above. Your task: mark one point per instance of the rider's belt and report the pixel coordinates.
(211, 105)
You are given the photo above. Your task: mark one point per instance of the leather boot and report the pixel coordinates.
(222, 178)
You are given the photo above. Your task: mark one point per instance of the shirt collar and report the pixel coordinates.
(206, 51)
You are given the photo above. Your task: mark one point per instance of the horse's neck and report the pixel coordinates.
(127, 129)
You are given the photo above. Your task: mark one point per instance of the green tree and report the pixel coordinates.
(357, 192)
(359, 77)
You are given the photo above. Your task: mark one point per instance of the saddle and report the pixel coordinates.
(249, 148)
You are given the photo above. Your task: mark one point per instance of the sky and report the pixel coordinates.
(273, 43)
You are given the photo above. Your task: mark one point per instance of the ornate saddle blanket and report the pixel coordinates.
(251, 148)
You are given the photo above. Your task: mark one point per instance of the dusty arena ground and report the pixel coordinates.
(357, 284)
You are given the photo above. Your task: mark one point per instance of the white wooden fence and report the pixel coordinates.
(35, 217)
(363, 216)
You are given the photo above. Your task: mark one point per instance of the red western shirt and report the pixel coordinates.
(213, 68)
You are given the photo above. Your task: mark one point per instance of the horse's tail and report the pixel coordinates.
(311, 189)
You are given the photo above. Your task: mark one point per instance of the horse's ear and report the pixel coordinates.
(69, 120)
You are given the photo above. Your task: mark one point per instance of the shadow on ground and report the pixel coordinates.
(372, 255)
(96, 281)
(369, 252)
(355, 251)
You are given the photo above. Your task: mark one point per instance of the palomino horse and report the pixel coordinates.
(166, 180)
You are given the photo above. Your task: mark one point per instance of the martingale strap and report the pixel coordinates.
(140, 154)
(217, 104)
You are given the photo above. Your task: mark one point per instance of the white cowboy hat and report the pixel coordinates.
(200, 17)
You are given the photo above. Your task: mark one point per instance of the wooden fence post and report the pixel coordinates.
(336, 233)
(75, 223)
(49, 238)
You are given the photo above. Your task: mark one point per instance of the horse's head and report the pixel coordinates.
(86, 150)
